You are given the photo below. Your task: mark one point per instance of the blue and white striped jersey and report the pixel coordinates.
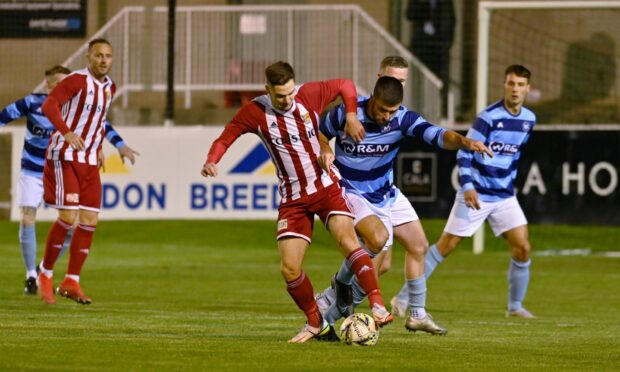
(366, 167)
(504, 134)
(39, 130)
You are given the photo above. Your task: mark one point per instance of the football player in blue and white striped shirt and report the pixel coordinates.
(38, 132)
(487, 187)
(368, 179)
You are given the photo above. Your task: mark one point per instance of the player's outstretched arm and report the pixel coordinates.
(455, 141)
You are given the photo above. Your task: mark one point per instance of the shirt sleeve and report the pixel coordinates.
(112, 136)
(333, 122)
(414, 125)
(478, 132)
(319, 94)
(63, 92)
(15, 110)
(246, 120)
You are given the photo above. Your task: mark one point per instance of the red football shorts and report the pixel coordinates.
(71, 185)
(296, 217)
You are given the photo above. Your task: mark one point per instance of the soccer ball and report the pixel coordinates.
(359, 329)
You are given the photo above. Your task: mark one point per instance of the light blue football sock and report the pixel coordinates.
(417, 296)
(332, 314)
(28, 241)
(345, 274)
(358, 293)
(67, 242)
(518, 280)
(432, 260)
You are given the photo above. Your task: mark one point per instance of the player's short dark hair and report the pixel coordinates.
(58, 69)
(518, 70)
(388, 90)
(394, 61)
(98, 40)
(279, 73)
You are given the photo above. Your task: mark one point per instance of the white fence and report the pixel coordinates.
(227, 48)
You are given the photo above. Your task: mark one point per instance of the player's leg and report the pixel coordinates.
(292, 251)
(508, 220)
(341, 228)
(372, 237)
(28, 243)
(411, 236)
(82, 239)
(345, 292)
(30, 196)
(61, 191)
(294, 236)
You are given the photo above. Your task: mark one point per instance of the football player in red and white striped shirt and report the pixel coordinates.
(77, 108)
(286, 119)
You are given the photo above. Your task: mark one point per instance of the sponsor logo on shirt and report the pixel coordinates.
(369, 149)
(504, 148)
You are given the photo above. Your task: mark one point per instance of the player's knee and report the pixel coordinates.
(521, 251)
(376, 240)
(421, 248)
(289, 272)
(28, 216)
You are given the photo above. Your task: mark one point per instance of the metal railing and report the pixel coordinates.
(227, 48)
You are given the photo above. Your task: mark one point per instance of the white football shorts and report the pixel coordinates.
(395, 212)
(502, 215)
(30, 191)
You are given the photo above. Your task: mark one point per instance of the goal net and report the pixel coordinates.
(571, 47)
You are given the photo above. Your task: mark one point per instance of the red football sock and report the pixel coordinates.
(303, 295)
(361, 264)
(53, 245)
(80, 246)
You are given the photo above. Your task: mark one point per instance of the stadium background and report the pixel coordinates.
(572, 54)
(191, 294)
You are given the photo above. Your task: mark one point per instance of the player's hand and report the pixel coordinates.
(478, 146)
(471, 199)
(353, 128)
(101, 161)
(129, 153)
(209, 170)
(75, 141)
(326, 159)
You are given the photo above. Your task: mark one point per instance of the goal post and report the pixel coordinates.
(487, 9)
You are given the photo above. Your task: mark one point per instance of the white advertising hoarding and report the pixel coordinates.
(165, 182)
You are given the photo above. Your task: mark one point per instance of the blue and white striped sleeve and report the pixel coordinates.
(14, 111)
(333, 122)
(478, 132)
(414, 125)
(112, 136)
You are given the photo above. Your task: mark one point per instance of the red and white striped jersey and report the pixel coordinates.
(84, 102)
(291, 137)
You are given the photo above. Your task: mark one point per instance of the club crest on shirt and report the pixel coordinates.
(72, 198)
(108, 94)
(526, 126)
(306, 117)
(282, 225)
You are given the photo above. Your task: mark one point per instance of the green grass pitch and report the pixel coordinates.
(208, 295)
